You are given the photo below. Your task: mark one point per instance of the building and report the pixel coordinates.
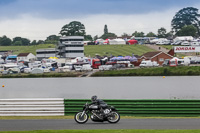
(26, 57)
(5, 52)
(46, 53)
(157, 56)
(71, 47)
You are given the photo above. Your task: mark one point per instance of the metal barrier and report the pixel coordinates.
(184, 108)
(32, 107)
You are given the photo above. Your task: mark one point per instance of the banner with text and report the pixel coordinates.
(183, 49)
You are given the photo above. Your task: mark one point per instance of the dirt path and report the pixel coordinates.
(157, 48)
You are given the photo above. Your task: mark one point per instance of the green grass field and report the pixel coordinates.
(89, 50)
(106, 131)
(26, 49)
(116, 50)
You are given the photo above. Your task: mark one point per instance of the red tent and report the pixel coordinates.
(106, 41)
(131, 42)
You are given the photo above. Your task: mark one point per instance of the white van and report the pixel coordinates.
(146, 64)
(184, 62)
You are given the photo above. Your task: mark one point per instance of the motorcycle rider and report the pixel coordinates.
(99, 102)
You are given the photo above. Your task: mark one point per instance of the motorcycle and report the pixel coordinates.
(97, 114)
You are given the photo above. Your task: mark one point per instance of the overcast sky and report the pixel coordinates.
(37, 19)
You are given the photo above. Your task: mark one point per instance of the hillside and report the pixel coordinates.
(26, 49)
(116, 50)
(90, 50)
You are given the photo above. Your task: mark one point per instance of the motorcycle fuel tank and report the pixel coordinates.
(93, 106)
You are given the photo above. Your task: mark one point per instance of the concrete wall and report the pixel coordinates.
(32, 107)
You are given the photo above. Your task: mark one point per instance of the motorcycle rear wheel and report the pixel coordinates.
(114, 117)
(81, 119)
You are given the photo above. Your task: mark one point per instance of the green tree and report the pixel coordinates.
(17, 43)
(34, 42)
(186, 16)
(188, 30)
(96, 37)
(16, 39)
(74, 28)
(40, 42)
(52, 39)
(106, 36)
(162, 32)
(151, 34)
(105, 29)
(125, 35)
(24, 41)
(5, 41)
(88, 38)
(138, 34)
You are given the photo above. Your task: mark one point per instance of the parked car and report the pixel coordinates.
(37, 71)
(176, 43)
(78, 68)
(185, 43)
(87, 67)
(27, 70)
(146, 64)
(195, 43)
(13, 70)
(165, 63)
(46, 70)
(105, 67)
(184, 62)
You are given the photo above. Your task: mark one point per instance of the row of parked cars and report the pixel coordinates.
(183, 43)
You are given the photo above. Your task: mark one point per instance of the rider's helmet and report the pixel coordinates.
(93, 98)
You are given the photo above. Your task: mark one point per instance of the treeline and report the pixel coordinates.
(20, 41)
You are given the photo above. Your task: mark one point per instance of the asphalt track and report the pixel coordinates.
(28, 125)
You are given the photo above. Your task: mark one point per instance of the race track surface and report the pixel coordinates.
(22, 125)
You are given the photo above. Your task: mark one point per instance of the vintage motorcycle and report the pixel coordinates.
(97, 114)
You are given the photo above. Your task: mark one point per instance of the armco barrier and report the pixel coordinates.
(32, 107)
(143, 107)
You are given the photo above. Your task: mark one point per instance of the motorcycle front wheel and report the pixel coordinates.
(114, 117)
(81, 119)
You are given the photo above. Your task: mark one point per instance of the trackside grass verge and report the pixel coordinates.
(44, 75)
(105, 131)
(160, 71)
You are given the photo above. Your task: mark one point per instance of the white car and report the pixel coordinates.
(105, 67)
(27, 70)
(78, 68)
(87, 67)
(46, 70)
(185, 43)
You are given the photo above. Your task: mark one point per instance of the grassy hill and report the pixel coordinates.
(26, 49)
(116, 50)
(89, 50)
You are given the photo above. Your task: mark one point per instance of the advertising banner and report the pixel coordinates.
(183, 49)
